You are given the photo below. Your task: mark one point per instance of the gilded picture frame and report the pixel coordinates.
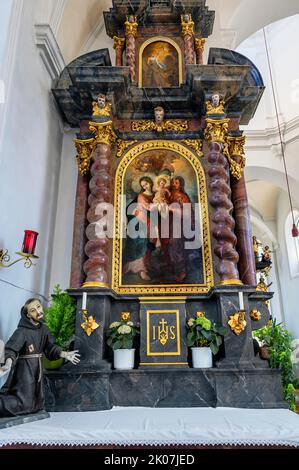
(117, 268)
(160, 39)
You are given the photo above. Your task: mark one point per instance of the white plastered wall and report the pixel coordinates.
(30, 153)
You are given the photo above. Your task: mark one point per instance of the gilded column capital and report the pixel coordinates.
(119, 43)
(131, 26)
(234, 151)
(85, 150)
(236, 145)
(187, 25)
(199, 44)
(216, 130)
(103, 132)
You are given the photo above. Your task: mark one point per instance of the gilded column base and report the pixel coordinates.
(96, 284)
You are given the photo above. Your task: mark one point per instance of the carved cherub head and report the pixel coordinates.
(215, 99)
(101, 101)
(159, 115)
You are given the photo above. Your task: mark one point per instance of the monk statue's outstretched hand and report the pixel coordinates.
(71, 356)
(6, 368)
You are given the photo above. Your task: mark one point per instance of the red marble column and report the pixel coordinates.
(188, 35)
(119, 44)
(97, 248)
(79, 237)
(199, 49)
(223, 222)
(131, 33)
(242, 215)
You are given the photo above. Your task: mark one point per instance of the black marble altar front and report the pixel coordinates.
(238, 378)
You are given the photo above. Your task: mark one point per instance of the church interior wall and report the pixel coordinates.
(30, 163)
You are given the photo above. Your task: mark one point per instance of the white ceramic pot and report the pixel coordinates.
(124, 359)
(202, 358)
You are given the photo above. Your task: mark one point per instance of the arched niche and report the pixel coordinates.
(160, 63)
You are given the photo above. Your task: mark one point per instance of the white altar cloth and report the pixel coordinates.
(160, 426)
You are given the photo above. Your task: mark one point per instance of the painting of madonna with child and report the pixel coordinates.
(163, 240)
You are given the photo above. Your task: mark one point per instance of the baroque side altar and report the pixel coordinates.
(161, 130)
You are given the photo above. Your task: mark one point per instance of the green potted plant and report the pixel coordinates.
(121, 337)
(204, 337)
(278, 343)
(60, 318)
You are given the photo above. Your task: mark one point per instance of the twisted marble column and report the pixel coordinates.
(220, 200)
(79, 237)
(223, 222)
(97, 246)
(118, 45)
(241, 211)
(131, 26)
(84, 146)
(188, 36)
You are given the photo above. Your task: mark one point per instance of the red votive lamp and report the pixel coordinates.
(29, 242)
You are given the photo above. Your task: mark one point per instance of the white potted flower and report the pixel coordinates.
(121, 336)
(204, 337)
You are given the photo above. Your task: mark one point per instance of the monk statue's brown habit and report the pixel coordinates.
(23, 391)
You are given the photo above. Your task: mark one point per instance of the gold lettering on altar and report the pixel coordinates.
(163, 332)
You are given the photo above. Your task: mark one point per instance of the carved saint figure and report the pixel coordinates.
(23, 391)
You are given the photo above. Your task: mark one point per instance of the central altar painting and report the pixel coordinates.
(162, 243)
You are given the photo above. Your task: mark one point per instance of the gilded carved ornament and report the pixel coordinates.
(215, 106)
(166, 126)
(122, 146)
(199, 44)
(85, 150)
(118, 42)
(131, 26)
(89, 325)
(195, 144)
(101, 111)
(216, 130)
(237, 322)
(187, 25)
(234, 148)
(255, 314)
(103, 131)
